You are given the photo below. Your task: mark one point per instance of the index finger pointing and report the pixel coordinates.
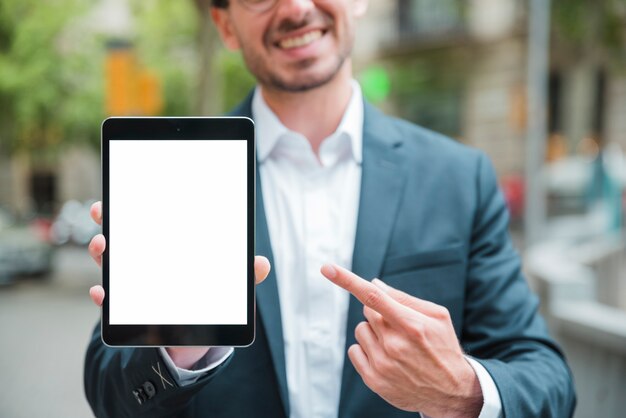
(366, 292)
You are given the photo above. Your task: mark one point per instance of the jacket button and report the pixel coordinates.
(139, 395)
(149, 389)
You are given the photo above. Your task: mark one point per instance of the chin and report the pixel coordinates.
(304, 80)
(300, 85)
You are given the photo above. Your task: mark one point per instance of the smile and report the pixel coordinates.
(300, 41)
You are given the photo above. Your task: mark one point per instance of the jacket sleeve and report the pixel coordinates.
(134, 382)
(503, 329)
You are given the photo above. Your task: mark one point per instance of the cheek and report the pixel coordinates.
(248, 34)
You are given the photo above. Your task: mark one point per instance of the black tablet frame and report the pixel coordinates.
(188, 128)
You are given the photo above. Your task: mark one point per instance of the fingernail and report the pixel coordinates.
(380, 284)
(329, 271)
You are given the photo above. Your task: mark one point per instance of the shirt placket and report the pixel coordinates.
(319, 249)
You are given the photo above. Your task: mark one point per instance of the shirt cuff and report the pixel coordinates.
(492, 406)
(213, 358)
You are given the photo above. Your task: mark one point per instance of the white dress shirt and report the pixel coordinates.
(311, 206)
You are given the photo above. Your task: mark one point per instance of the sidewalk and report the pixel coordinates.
(45, 325)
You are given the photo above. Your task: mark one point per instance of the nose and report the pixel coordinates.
(294, 10)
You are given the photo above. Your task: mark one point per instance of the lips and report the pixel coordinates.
(300, 40)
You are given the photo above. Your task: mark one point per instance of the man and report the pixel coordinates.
(450, 329)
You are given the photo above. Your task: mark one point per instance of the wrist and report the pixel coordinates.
(186, 357)
(468, 398)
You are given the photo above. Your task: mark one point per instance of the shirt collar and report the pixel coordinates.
(269, 129)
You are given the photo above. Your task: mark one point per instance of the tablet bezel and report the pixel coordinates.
(188, 128)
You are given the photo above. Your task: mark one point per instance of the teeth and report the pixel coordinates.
(299, 41)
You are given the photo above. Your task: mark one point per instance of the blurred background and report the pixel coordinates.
(539, 85)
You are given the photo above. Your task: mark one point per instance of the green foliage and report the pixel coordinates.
(52, 68)
(592, 24)
(39, 74)
(166, 37)
(82, 75)
(237, 80)
(168, 42)
(569, 17)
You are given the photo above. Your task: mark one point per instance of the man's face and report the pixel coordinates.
(296, 45)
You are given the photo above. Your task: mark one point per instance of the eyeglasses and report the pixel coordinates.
(258, 6)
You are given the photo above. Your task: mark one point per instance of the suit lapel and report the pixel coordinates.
(382, 186)
(267, 299)
(267, 293)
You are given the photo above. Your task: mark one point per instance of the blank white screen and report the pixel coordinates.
(177, 232)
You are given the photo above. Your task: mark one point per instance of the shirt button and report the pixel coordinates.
(319, 333)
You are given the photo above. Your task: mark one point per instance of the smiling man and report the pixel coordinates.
(450, 328)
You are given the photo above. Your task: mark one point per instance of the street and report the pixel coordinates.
(45, 325)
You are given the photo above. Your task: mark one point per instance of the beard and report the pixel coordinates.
(303, 75)
(272, 77)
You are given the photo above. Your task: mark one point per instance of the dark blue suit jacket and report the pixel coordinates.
(432, 223)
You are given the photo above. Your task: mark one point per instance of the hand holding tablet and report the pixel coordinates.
(178, 218)
(183, 357)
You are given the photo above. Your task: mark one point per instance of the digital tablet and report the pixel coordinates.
(178, 218)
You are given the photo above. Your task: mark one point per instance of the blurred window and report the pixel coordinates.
(555, 103)
(43, 191)
(435, 108)
(428, 90)
(599, 105)
(430, 17)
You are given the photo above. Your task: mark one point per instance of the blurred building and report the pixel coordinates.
(455, 66)
(460, 67)
(37, 184)
(29, 188)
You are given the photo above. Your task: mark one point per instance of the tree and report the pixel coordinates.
(223, 80)
(589, 42)
(592, 28)
(165, 38)
(45, 88)
(208, 95)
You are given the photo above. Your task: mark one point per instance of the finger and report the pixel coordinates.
(375, 320)
(360, 362)
(96, 212)
(370, 344)
(420, 305)
(367, 339)
(261, 268)
(366, 292)
(96, 248)
(97, 294)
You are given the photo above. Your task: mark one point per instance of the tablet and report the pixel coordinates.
(178, 218)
